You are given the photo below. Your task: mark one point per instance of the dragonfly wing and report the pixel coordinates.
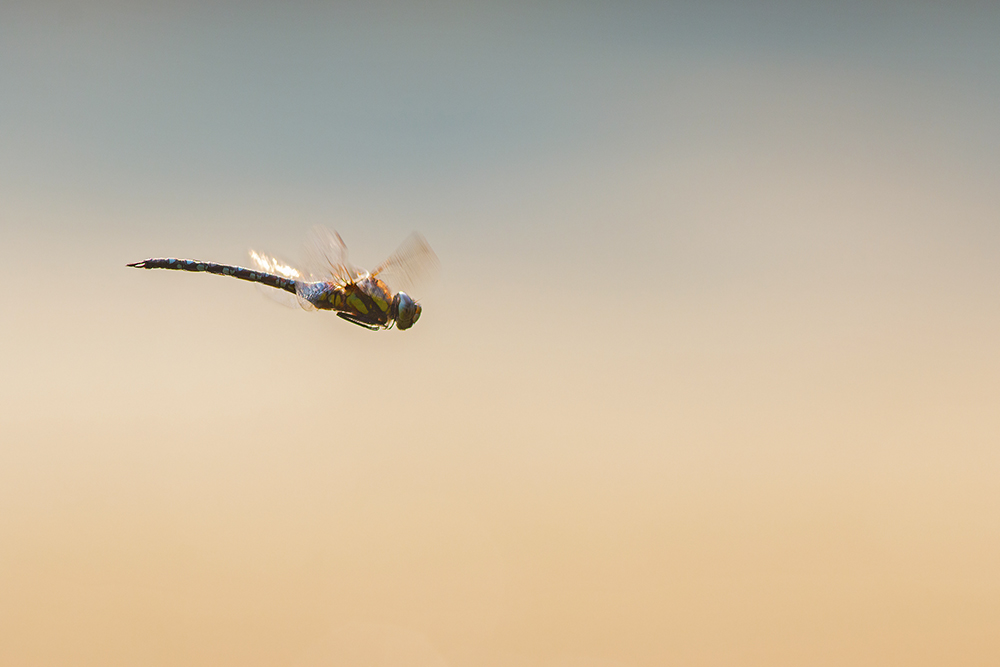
(412, 262)
(270, 264)
(326, 258)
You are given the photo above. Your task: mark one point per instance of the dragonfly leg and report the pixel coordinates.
(354, 320)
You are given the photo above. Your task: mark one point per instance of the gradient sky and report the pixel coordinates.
(710, 375)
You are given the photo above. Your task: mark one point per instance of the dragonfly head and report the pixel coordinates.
(405, 309)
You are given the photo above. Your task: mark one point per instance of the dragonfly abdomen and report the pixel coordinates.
(239, 272)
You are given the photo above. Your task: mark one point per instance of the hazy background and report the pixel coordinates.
(710, 375)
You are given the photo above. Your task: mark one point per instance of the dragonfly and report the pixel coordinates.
(330, 282)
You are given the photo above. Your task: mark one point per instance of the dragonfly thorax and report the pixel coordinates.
(367, 302)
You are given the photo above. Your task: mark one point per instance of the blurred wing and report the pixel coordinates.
(326, 258)
(270, 264)
(412, 262)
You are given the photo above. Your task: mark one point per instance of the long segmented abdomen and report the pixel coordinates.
(251, 275)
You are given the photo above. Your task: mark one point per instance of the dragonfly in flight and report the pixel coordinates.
(331, 282)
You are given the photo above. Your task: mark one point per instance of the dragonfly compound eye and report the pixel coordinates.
(408, 311)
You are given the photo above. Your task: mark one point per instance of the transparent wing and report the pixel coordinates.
(270, 264)
(326, 258)
(412, 262)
